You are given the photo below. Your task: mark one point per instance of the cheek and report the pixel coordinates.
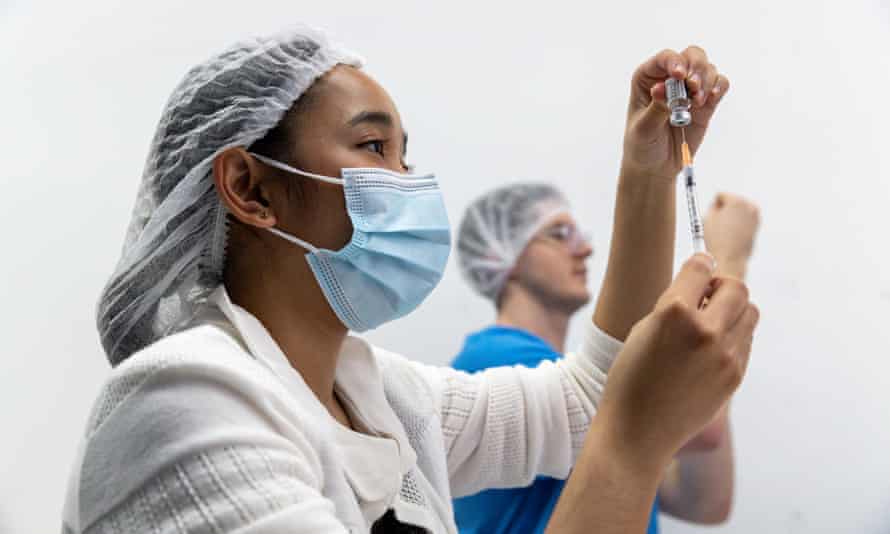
(546, 267)
(338, 157)
(529, 265)
(319, 214)
(333, 219)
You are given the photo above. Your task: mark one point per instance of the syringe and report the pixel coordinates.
(679, 104)
(695, 222)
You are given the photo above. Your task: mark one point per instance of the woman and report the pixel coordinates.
(240, 403)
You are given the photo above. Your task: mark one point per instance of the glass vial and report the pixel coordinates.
(678, 102)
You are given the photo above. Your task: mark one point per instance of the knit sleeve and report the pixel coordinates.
(239, 488)
(186, 446)
(504, 426)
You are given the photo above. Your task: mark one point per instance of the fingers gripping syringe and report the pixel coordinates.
(679, 104)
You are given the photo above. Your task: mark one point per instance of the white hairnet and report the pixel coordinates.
(174, 249)
(497, 227)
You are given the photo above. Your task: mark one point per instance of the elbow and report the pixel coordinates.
(717, 514)
(709, 511)
(710, 439)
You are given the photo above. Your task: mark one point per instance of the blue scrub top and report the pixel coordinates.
(520, 510)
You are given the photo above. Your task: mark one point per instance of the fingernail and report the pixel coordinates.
(695, 78)
(716, 90)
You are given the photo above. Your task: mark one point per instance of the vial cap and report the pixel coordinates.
(680, 117)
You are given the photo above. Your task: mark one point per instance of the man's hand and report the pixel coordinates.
(680, 365)
(730, 230)
(651, 144)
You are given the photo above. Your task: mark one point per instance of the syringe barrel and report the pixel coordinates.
(696, 226)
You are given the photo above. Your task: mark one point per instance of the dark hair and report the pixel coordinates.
(278, 143)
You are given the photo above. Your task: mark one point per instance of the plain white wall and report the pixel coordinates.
(490, 92)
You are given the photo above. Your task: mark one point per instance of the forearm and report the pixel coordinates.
(641, 255)
(700, 482)
(608, 492)
(699, 485)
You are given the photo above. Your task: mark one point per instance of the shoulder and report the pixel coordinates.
(199, 355)
(498, 346)
(481, 349)
(406, 381)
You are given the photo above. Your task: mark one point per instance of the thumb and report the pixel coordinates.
(652, 119)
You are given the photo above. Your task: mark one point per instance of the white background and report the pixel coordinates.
(490, 92)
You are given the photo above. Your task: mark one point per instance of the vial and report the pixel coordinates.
(678, 102)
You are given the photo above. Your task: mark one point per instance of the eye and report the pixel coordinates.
(560, 232)
(373, 146)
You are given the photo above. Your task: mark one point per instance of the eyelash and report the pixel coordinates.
(366, 144)
(561, 232)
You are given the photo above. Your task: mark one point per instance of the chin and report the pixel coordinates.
(583, 294)
(578, 300)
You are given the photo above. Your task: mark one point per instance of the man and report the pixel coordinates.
(520, 247)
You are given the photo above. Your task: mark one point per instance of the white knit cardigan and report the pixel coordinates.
(211, 430)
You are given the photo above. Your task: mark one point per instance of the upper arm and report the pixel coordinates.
(503, 426)
(227, 489)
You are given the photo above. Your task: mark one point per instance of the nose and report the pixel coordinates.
(582, 247)
(584, 250)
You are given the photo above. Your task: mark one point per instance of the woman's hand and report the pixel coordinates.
(680, 364)
(651, 144)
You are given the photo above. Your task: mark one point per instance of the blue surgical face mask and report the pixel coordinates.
(399, 247)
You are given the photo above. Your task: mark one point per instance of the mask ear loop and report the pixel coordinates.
(285, 167)
(295, 240)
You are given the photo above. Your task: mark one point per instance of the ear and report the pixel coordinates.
(238, 178)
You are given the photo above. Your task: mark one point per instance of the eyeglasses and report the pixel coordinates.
(568, 235)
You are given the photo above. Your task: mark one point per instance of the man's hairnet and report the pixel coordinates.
(497, 227)
(175, 245)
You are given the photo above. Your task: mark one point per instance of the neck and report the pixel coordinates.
(291, 306)
(523, 311)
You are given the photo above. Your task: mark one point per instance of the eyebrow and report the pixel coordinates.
(377, 117)
(560, 224)
(381, 118)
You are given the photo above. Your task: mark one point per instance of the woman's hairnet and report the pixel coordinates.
(175, 245)
(497, 227)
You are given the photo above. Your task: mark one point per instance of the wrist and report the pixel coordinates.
(637, 182)
(634, 172)
(631, 461)
(732, 266)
